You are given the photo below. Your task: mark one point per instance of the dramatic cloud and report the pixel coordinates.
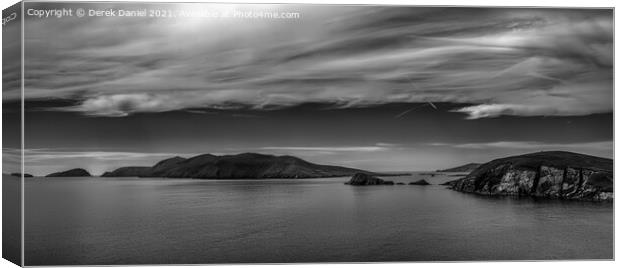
(520, 62)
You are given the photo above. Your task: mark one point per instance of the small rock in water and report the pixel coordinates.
(366, 179)
(419, 182)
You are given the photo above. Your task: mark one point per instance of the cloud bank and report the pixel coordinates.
(518, 62)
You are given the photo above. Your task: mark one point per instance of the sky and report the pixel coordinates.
(371, 87)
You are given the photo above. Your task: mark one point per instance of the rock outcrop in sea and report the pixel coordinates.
(555, 174)
(367, 179)
(240, 166)
(76, 172)
(420, 182)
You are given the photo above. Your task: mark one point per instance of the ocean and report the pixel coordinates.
(91, 221)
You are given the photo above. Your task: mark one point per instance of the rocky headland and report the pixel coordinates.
(553, 174)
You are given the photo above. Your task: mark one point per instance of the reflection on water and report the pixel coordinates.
(148, 221)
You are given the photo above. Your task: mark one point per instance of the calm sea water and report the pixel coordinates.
(153, 221)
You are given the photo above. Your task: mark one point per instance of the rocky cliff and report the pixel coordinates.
(240, 166)
(76, 172)
(562, 175)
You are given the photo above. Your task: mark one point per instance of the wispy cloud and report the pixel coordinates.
(37, 155)
(520, 62)
(331, 149)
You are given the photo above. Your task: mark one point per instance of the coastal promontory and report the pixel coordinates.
(552, 174)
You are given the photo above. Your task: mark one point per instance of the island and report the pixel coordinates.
(26, 175)
(128, 172)
(362, 179)
(239, 166)
(76, 172)
(551, 174)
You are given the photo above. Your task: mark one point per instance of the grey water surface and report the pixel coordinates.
(90, 221)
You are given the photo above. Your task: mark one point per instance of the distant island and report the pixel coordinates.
(553, 174)
(239, 166)
(76, 172)
(463, 169)
(26, 175)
